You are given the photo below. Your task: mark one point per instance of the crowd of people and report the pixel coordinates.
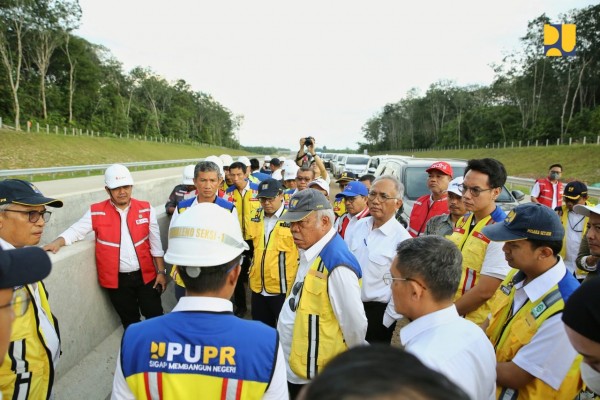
(487, 304)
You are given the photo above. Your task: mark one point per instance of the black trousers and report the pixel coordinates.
(376, 331)
(133, 296)
(239, 295)
(266, 309)
(294, 390)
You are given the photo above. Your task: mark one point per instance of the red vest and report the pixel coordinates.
(106, 223)
(421, 213)
(547, 192)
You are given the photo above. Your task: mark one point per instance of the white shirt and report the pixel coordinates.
(375, 250)
(277, 174)
(549, 354)
(128, 260)
(573, 232)
(269, 223)
(50, 334)
(455, 347)
(278, 386)
(494, 263)
(344, 295)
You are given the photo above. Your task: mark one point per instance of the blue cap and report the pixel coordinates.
(527, 221)
(353, 189)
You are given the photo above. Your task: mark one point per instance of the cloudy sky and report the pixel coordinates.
(318, 68)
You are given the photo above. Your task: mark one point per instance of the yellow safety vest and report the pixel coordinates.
(339, 207)
(275, 263)
(246, 206)
(509, 334)
(28, 365)
(473, 247)
(564, 219)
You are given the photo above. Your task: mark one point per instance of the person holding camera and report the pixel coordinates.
(310, 157)
(129, 253)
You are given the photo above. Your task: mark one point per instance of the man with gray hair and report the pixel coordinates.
(322, 315)
(207, 180)
(424, 277)
(373, 241)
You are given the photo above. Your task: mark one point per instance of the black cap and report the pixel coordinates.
(269, 188)
(17, 191)
(574, 190)
(346, 177)
(582, 313)
(23, 266)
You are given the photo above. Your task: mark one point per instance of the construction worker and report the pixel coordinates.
(484, 266)
(304, 175)
(289, 178)
(33, 354)
(549, 191)
(443, 225)
(183, 191)
(129, 253)
(219, 162)
(226, 161)
(207, 180)
(354, 196)
(255, 170)
(434, 203)
(246, 161)
(201, 350)
(590, 261)
(244, 195)
(339, 206)
(534, 357)
(275, 260)
(320, 185)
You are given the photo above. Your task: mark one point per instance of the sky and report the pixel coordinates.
(313, 68)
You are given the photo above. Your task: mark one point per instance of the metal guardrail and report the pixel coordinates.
(513, 180)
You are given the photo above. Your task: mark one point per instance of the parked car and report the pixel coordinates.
(411, 172)
(326, 157)
(335, 167)
(357, 164)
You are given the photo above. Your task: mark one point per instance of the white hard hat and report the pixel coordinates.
(205, 235)
(454, 184)
(244, 160)
(282, 159)
(320, 183)
(117, 175)
(217, 161)
(188, 175)
(227, 160)
(288, 164)
(267, 158)
(290, 173)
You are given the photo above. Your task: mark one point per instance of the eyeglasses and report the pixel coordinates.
(475, 191)
(295, 290)
(34, 216)
(388, 279)
(19, 303)
(380, 196)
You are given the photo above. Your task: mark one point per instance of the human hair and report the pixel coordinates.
(556, 165)
(326, 213)
(254, 164)
(398, 186)
(210, 278)
(238, 165)
(380, 371)
(207, 166)
(306, 168)
(493, 168)
(435, 260)
(555, 245)
(367, 177)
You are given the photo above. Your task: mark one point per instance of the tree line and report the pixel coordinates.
(532, 97)
(50, 75)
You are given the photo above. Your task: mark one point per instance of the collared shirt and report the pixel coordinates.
(194, 203)
(375, 250)
(128, 260)
(270, 223)
(573, 232)
(535, 192)
(455, 347)
(277, 387)
(50, 334)
(549, 354)
(350, 224)
(344, 295)
(440, 225)
(277, 174)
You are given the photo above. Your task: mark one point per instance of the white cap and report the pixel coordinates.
(188, 175)
(282, 159)
(454, 184)
(217, 161)
(117, 175)
(288, 164)
(586, 210)
(290, 173)
(320, 183)
(205, 235)
(227, 160)
(244, 160)
(267, 158)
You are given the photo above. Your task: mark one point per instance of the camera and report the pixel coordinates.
(308, 141)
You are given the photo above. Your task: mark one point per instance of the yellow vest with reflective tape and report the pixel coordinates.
(28, 367)
(564, 219)
(339, 207)
(275, 263)
(246, 206)
(509, 334)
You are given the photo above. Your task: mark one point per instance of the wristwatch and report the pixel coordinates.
(163, 272)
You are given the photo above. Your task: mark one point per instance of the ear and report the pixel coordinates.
(398, 203)
(546, 252)
(233, 275)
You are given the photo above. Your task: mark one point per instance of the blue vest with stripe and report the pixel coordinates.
(221, 202)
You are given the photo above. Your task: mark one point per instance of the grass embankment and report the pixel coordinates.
(39, 150)
(578, 161)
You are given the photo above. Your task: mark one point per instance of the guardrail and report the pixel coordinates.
(513, 180)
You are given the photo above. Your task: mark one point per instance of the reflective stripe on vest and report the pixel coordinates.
(547, 192)
(422, 212)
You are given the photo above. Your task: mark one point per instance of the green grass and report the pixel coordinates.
(39, 150)
(578, 161)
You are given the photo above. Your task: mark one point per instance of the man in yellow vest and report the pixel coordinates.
(323, 314)
(534, 357)
(28, 370)
(201, 350)
(275, 260)
(575, 193)
(484, 266)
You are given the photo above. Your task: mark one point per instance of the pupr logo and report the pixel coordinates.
(157, 350)
(559, 40)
